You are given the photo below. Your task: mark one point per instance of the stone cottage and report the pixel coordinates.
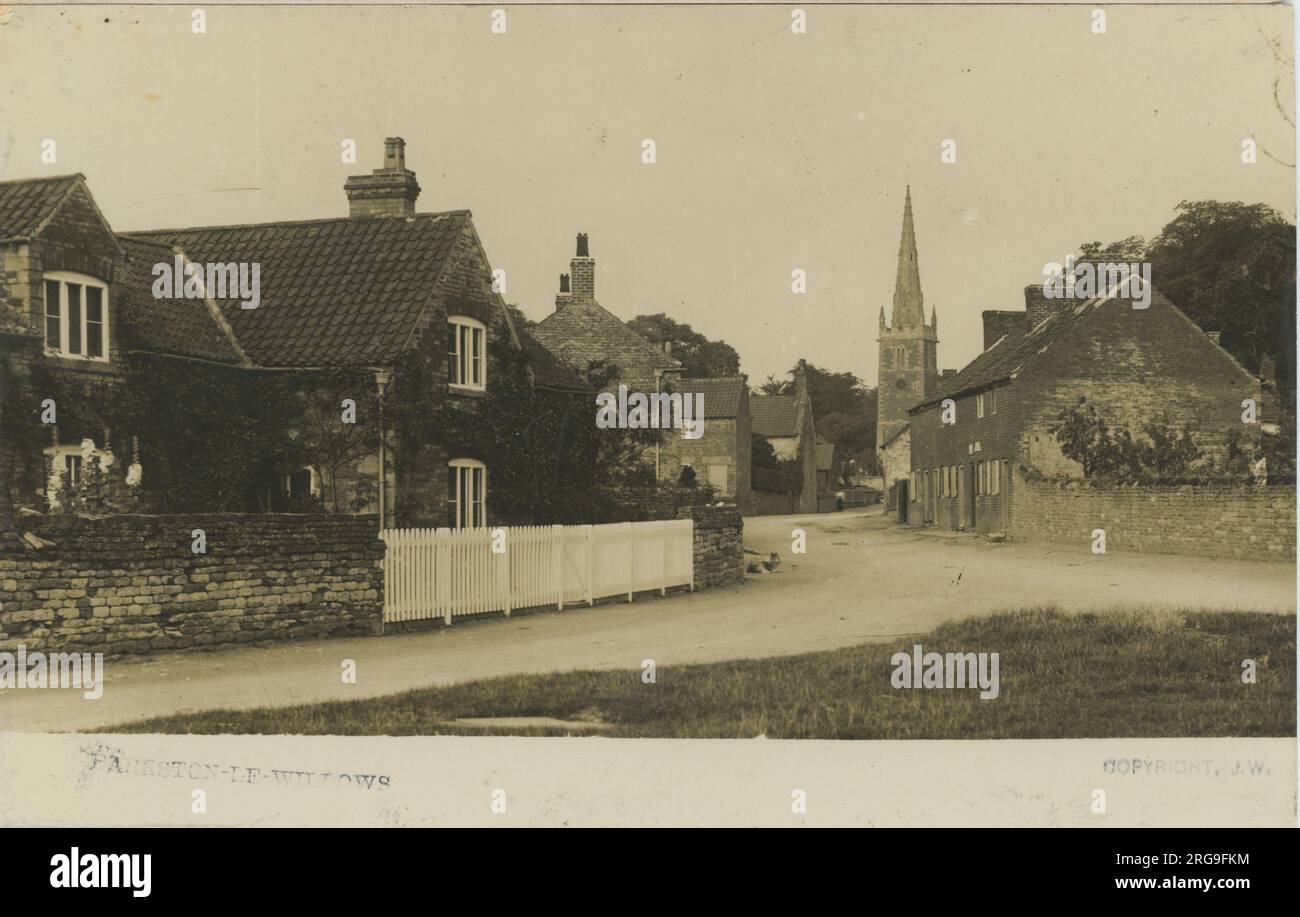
(585, 335)
(360, 293)
(786, 422)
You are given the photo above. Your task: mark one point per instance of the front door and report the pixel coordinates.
(971, 489)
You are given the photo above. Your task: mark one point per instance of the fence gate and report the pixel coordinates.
(440, 573)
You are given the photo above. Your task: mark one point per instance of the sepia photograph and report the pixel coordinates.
(887, 412)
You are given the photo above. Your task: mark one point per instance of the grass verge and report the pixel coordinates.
(1147, 673)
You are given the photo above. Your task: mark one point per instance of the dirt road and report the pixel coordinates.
(861, 579)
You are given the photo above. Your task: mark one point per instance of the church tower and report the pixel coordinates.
(909, 348)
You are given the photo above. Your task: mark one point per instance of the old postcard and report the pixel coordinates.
(886, 411)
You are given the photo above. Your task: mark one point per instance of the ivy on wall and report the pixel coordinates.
(220, 439)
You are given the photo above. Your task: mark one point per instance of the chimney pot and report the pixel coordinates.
(564, 283)
(582, 270)
(394, 153)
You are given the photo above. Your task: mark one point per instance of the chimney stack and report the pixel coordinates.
(1038, 307)
(583, 271)
(999, 324)
(563, 297)
(387, 192)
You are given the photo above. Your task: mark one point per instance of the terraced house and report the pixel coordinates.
(1131, 363)
(380, 303)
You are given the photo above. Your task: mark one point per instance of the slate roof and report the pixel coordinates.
(175, 326)
(338, 292)
(1011, 354)
(24, 204)
(774, 415)
(721, 395)
(584, 332)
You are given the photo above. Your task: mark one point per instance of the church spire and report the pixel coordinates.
(909, 306)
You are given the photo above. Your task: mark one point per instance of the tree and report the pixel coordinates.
(1231, 268)
(700, 357)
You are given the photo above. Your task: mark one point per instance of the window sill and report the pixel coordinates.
(92, 363)
(466, 390)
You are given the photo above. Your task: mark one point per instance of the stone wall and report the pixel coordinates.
(767, 503)
(719, 545)
(1242, 521)
(132, 584)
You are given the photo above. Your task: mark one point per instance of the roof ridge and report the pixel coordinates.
(155, 232)
(32, 181)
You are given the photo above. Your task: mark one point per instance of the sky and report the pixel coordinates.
(775, 151)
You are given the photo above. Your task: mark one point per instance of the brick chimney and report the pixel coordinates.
(998, 324)
(387, 192)
(562, 298)
(583, 271)
(1039, 307)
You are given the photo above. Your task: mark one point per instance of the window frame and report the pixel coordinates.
(85, 282)
(461, 365)
(460, 470)
(979, 405)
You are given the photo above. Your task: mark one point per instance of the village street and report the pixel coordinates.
(862, 579)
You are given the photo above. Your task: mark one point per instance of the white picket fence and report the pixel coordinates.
(440, 573)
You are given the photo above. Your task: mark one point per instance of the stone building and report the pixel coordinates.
(909, 354)
(361, 292)
(786, 422)
(721, 456)
(1132, 363)
(586, 336)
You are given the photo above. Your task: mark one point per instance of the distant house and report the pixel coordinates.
(826, 477)
(721, 457)
(584, 335)
(786, 422)
(369, 293)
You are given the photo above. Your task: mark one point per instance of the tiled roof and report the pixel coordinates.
(721, 395)
(175, 326)
(341, 292)
(25, 204)
(774, 415)
(548, 371)
(584, 332)
(1012, 353)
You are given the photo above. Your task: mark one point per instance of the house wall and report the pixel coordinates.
(1242, 521)
(76, 239)
(726, 440)
(416, 485)
(132, 584)
(963, 445)
(896, 459)
(807, 458)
